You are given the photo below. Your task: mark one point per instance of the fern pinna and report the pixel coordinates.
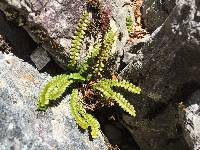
(80, 82)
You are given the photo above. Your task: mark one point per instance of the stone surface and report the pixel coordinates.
(21, 126)
(17, 38)
(51, 23)
(190, 118)
(155, 12)
(168, 73)
(40, 58)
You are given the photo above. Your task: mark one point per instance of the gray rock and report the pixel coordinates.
(40, 58)
(52, 23)
(155, 12)
(17, 38)
(190, 118)
(168, 73)
(21, 126)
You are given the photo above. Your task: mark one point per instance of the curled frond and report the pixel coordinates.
(77, 40)
(53, 90)
(117, 97)
(106, 50)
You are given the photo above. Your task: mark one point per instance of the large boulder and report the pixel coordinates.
(167, 70)
(52, 23)
(22, 127)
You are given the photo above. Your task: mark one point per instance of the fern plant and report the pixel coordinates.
(83, 85)
(129, 24)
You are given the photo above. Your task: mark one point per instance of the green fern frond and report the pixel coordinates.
(94, 124)
(90, 56)
(129, 23)
(77, 109)
(78, 39)
(117, 97)
(83, 119)
(124, 84)
(53, 90)
(123, 103)
(76, 76)
(106, 50)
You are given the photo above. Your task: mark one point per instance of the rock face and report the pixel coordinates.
(168, 73)
(155, 12)
(52, 23)
(21, 126)
(190, 118)
(17, 38)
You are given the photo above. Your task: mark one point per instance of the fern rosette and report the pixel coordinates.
(83, 85)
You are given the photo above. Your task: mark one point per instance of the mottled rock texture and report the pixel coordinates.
(22, 127)
(190, 118)
(168, 73)
(155, 12)
(51, 23)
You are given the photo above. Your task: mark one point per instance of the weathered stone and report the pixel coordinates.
(190, 118)
(49, 23)
(155, 12)
(40, 58)
(52, 23)
(22, 127)
(16, 38)
(169, 72)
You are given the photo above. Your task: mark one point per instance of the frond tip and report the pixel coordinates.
(83, 119)
(108, 41)
(123, 84)
(77, 40)
(105, 86)
(90, 56)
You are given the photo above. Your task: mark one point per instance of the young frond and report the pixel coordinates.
(124, 84)
(53, 90)
(78, 38)
(108, 44)
(91, 55)
(129, 23)
(107, 47)
(117, 97)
